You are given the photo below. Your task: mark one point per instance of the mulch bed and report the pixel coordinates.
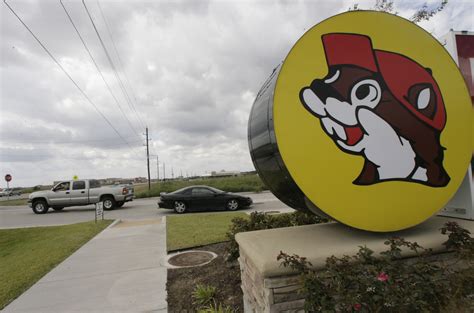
(219, 273)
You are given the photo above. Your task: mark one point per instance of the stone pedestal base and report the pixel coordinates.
(269, 287)
(272, 294)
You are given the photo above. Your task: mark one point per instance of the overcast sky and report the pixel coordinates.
(190, 69)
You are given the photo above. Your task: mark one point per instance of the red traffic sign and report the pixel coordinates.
(8, 177)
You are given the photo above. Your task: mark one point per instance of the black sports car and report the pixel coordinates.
(202, 198)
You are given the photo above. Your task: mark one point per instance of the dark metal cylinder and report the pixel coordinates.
(265, 154)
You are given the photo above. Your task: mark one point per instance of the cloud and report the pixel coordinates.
(190, 68)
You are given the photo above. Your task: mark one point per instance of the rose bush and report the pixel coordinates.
(388, 283)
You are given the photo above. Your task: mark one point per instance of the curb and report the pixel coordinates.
(115, 222)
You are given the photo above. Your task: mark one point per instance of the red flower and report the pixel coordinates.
(382, 276)
(357, 306)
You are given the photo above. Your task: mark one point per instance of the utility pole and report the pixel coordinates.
(148, 159)
(172, 173)
(164, 171)
(157, 170)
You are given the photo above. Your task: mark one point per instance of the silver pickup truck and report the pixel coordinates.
(79, 192)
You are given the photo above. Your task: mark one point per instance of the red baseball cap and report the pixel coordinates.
(398, 71)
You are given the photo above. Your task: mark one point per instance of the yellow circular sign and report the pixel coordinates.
(373, 120)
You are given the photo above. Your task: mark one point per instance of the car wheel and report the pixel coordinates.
(108, 203)
(232, 205)
(40, 207)
(120, 204)
(58, 209)
(179, 207)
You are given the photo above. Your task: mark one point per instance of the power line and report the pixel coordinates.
(120, 63)
(152, 147)
(65, 72)
(97, 67)
(130, 104)
(120, 60)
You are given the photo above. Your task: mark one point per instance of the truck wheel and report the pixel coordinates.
(120, 204)
(108, 203)
(58, 209)
(40, 207)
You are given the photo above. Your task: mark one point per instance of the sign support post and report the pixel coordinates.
(99, 211)
(8, 178)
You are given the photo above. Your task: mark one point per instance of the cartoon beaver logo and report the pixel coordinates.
(383, 106)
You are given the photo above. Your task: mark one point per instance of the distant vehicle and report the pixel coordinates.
(202, 198)
(80, 192)
(9, 192)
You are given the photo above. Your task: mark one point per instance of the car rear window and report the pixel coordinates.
(202, 191)
(182, 191)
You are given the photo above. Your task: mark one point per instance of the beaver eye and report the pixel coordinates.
(366, 92)
(423, 99)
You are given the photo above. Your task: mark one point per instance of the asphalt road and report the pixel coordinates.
(22, 196)
(23, 216)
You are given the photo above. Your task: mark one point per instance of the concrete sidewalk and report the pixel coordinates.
(119, 270)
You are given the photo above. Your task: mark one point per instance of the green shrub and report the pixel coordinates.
(203, 295)
(204, 299)
(388, 284)
(216, 308)
(259, 221)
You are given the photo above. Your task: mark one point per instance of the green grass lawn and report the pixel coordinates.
(242, 183)
(27, 254)
(14, 202)
(140, 188)
(191, 230)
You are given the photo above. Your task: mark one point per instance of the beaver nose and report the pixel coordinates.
(323, 90)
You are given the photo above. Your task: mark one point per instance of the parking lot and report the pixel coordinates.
(23, 216)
